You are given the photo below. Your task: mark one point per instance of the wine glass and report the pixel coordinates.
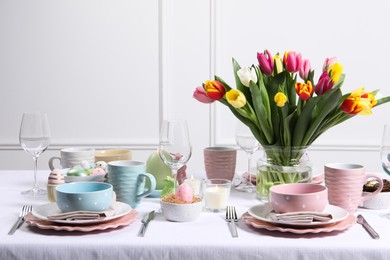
(250, 145)
(175, 147)
(34, 137)
(385, 149)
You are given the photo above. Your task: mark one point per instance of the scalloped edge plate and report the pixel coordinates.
(339, 226)
(125, 220)
(42, 211)
(261, 212)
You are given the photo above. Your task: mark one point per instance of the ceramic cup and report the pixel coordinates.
(345, 185)
(220, 162)
(72, 157)
(112, 155)
(128, 180)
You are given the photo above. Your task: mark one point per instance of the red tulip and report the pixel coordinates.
(359, 102)
(214, 89)
(304, 90)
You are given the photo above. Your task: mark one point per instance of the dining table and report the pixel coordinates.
(208, 237)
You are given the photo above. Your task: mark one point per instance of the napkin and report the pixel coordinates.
(82, 215)
(301, 217)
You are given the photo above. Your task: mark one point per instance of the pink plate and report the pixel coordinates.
(339, 226)
(121, 221)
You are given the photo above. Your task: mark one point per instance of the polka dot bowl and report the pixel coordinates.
(84, 196)
(297, 197)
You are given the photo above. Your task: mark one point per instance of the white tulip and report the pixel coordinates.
(246, 75)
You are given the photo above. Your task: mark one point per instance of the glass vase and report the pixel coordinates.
(281, 165)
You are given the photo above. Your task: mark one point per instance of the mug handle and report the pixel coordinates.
(51, 165)
(379, 189)
(152, 187)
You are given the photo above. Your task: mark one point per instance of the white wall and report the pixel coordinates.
(108, 72)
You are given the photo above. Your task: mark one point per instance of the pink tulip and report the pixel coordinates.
(292, 61)
(304, 69)
(201, 96)
(324, 84)
(329, 62)
(266, 62)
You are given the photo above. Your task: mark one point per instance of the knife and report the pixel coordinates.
(361, 220)
(145, 222)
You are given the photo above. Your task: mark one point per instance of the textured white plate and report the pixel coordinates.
(262, 211)
(42, 211)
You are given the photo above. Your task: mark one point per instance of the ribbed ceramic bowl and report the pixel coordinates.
(84, 196)
(181, 212)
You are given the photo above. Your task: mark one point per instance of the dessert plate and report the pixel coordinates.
(125, 220)
(339, 226)
(261, 212)
(45, 210)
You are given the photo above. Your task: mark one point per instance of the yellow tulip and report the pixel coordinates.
(280, 99)
(278, 63)
(335, 72)
(236, 98)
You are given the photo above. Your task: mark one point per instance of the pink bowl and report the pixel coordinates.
(295, 197)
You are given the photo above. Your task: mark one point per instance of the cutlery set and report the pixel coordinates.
(231, 219)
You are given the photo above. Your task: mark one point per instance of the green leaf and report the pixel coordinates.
(328, 102)
(303, 122)
(261, 111)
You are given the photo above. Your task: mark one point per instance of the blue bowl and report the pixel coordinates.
(84, 196)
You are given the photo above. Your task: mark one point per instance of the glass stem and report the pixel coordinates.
(248, 181)
(35, 187)
(174, 176)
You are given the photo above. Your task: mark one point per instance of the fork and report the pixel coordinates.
(231, 217)
(23, 213)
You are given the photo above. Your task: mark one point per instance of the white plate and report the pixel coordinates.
(42, 211)
(262, 211)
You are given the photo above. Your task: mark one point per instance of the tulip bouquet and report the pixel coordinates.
(283, 105)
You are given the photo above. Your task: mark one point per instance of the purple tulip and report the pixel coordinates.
(324, 84)
(266, 62)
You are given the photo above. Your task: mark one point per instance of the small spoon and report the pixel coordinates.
(370, 230)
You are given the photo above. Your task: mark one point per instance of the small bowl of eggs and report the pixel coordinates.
(87, 172)
(182, 206)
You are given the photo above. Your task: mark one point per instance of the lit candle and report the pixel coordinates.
(195, 185)
(216, 198)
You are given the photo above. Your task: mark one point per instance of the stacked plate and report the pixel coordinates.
(260, 216)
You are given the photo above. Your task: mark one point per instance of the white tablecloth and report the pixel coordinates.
(206, 238)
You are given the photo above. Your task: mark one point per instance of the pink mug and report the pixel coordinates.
(345, 185)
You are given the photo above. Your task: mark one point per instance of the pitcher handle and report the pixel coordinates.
(379, 189)
(152, 187)
(51, 160)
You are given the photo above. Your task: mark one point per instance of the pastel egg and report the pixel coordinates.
(184, 193)
(55, 177)
(86, 165)
(77, 171)
(98, 171)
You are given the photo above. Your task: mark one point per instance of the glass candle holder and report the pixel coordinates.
(216, 194)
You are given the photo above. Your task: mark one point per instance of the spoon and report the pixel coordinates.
(370, 230)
